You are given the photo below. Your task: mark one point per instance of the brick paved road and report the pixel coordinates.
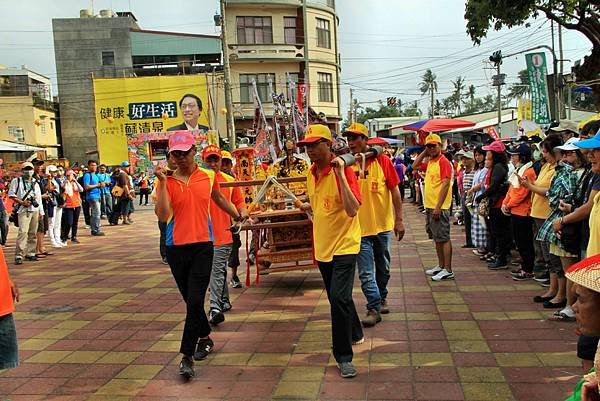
(102, 321)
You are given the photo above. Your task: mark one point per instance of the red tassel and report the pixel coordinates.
(247, 260)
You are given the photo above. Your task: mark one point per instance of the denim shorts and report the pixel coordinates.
(9, 353)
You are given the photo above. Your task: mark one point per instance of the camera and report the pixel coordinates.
(33, 202)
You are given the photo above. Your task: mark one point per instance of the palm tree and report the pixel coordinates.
(459, 86)
(429, 84)
(471, 96)
(521, 89)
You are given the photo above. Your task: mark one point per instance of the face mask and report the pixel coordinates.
(28, 173)
(537, 155)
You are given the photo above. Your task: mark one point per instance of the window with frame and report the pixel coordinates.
(43, 128)
(16, 132)
(262, 86)
(323, 33)
(254, 30)
(108, 58)
(289, 30)
(325, 84)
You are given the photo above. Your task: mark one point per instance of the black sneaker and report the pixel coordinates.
(215, 317)
(18, 261)
(235, 282)
(98, 234)
(31, 258)
(384, 308)
(347, 369)
(498, 265)
(204, 347)
(186, 368)
(522, 276)
(164, 261)
(75, 240)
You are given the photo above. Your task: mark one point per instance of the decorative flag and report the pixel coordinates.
(537, 71)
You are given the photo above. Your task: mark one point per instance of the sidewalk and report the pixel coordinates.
(102, 321)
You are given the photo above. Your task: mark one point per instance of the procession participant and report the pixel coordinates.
(379, 215)
(438, 200)
(162, 226)
(9, 294)
(184, 199)
(223, 240)
(234, 257)
(334, 199)
(24, 192)
(191, 108)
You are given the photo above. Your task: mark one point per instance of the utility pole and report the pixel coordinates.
(227, 79)
(498, 80)
(351, 108)
(559, 79)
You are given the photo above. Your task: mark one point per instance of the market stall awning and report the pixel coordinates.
(7, 146)
(438, 125)
(383, 141)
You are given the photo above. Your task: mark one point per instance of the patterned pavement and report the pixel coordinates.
(102, 321)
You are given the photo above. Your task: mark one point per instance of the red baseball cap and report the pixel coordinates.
(181, 140)
(496, 146)
(211, 150)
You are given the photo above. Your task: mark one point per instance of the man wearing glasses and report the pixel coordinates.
(334, 199)
(191, 108)
(184, 199)
(438, 199)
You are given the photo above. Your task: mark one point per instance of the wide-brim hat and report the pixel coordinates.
(586, 273)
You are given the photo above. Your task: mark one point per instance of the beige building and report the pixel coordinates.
(27, 112)
(269, 41)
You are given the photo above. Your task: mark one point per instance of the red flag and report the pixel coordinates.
(303, 93)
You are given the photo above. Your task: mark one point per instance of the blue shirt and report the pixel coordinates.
(105, 177)
(91, 179)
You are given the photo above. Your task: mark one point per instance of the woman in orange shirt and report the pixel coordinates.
(72, 208)
(517, 205)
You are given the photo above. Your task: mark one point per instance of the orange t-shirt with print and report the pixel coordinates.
(221, 220)
(190, 221)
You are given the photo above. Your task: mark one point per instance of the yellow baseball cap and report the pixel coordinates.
(226, 155)
(357, 128)
(314, 133)
(433, 138)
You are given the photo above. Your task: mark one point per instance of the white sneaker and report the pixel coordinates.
(443, 275)
(64, 243)
(433, 271)
(56, 245)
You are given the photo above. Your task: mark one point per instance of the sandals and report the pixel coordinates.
(561, 317)
(552, 305)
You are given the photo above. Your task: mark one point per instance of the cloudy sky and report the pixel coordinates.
(385, 44)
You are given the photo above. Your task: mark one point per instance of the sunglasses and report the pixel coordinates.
(431, 145)
(180, 153)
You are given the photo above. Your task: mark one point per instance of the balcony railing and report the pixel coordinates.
(296, 3)
(265, 51)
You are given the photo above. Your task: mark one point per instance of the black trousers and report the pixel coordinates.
(70, 218)
(85, 206)
(162, 241)
(234, 256)
(522, 227)
(191, 265)
(467, 221)
(338, 277)
(144, 192)
(500, 232)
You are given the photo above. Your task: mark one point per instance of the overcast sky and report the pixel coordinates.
(385, 44)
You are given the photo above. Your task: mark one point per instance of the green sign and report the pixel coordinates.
(536, 71)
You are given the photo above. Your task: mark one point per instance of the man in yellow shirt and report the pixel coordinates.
(379, 215)
(593, 144)
(334, 199)
(438, 199)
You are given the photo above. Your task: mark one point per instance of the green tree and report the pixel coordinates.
(383, 110)
(429, 85)
(470, 95)
(459, 87)
(579, 15)
(520, 90)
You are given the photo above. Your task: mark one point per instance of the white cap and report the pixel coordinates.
(569, 145)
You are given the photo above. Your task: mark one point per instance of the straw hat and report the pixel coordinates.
(586, 273)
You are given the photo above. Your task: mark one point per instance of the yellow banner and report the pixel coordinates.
(524, 111)
(141, 105)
